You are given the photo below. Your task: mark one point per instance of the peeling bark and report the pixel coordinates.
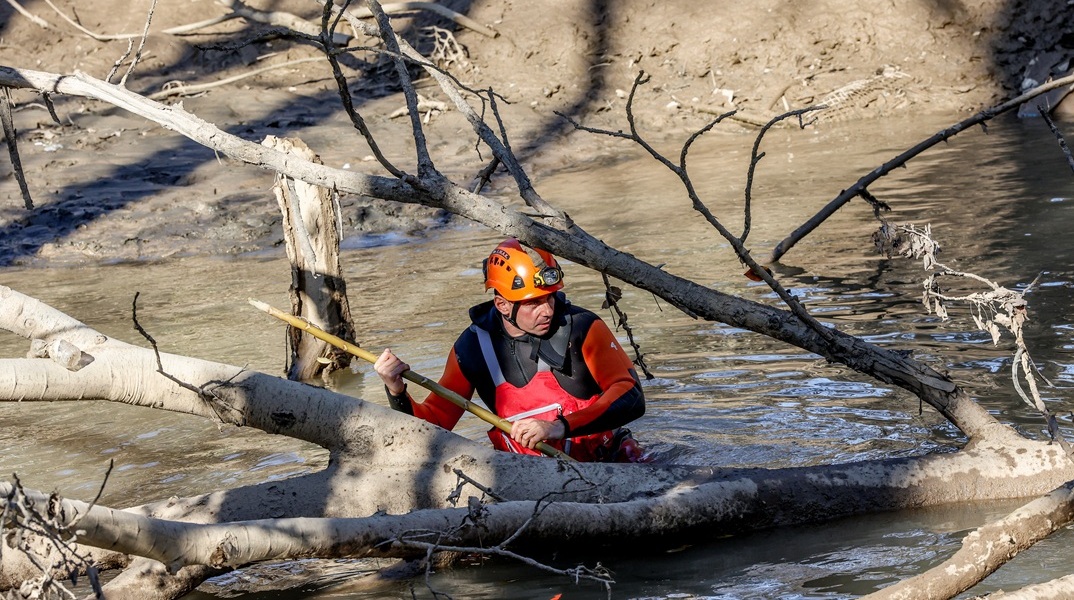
(312, 231)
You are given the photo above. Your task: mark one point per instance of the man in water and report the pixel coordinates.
(554, 370)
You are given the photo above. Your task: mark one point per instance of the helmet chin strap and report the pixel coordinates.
(514, 315)
(514, 312)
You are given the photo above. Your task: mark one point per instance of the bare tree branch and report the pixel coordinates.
(426, 169)
(141, 44)
(29, 15)
(855, 190)
(1058, 135)
(439, 9)
(987, 548)
(345, 94)
(756, 271)
(280, 19)
(11, 135)
(453, 89)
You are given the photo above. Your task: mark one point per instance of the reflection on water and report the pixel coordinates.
(999, 203)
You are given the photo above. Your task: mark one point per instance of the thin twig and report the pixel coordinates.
(439, 9)
(209, 396)
(51, 108)
(13, 148)
(484, 176)
(119, 61)
(612, 295)
(484, 489)
(141, 44)
(391, 42)
(192, 27)
(1058, 134)
(756, 156)
(182, 89)
(29, 15)
(97, 36)
(474, 518)
(855, 190)
(97, 498)
(597, 574)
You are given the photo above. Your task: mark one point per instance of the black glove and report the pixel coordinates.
(401, 402)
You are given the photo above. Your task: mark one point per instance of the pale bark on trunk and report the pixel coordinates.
(988, 548)
(147, 579)
(312, 233)
(728, 504)
(1057, 589)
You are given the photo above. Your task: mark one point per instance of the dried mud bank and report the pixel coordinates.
(108, 186)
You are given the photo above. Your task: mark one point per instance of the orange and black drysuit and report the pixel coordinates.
(576, 373)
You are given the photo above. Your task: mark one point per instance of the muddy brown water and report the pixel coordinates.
(1001, 203)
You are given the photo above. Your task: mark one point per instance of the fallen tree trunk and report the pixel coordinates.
(388, 463)
(1057, 589)
(990, 547)
(746, 501)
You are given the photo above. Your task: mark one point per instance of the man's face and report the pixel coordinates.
(534, 315)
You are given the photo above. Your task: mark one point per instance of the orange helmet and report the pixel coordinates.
(512, 272)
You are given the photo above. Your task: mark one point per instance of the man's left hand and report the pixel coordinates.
(530, 432)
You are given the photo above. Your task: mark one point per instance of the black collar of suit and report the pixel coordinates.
(550, 348)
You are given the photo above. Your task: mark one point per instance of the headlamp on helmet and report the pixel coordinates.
(517, 275)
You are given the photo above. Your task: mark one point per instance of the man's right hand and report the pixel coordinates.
(391, 370)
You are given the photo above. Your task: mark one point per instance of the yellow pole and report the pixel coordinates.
(482, 413)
